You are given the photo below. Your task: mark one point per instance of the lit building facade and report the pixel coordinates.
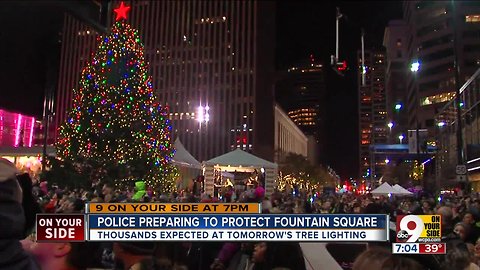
(288, 137)
(17, 130)
(21, 140)
(373, 127)
(394, 41)
(301, 92)
(430, 42)
(211, 63)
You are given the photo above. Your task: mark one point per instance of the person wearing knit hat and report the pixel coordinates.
(259, 192)
(12, 255)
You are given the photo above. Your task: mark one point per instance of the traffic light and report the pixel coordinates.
(340, 67)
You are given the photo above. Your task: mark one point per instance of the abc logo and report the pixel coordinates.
(409, 229)
(402, 235)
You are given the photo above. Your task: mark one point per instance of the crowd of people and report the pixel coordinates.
(21, 199)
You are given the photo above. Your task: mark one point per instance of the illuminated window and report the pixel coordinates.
(472, 18)
(437, 98)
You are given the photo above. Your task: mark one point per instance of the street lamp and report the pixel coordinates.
(398, 106)
(441, 124)
(387, 161)
(415, 66)
(390, 125)
(400, 137)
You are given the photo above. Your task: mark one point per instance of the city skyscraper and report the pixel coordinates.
(301, 91)
(211, 63)
(372, 111)
(430, 43)
(394, 41)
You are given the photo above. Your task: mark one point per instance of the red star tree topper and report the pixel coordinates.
(121, 11)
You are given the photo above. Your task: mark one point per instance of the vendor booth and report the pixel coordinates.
(238, 163)
(189, 168)
(26, 159)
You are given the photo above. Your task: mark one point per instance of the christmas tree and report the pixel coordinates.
(116, 121)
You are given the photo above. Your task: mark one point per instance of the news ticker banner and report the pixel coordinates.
(213, 227)
(237, 227)
(173, 208)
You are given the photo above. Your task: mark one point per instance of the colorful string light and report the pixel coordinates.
(115, 118)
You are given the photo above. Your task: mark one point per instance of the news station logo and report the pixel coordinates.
(419, 228)
(65, 227)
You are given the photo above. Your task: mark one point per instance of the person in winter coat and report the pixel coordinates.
(12, 225)
(29, 203)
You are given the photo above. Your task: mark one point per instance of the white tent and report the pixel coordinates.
(183, 158)
(240, 161)
(384, 189)
(401, 191)
(189, 168)
(240, 158)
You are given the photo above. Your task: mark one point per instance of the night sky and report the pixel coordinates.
(30, 48)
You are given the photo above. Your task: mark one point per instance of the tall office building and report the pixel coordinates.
(373, 127)
(211, 63)
(394, 41)
(301, 91)
(430, 42)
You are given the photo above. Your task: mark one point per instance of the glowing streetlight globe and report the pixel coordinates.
(415, 66)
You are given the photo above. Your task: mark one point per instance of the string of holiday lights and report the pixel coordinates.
(115, 118)
(289, 181)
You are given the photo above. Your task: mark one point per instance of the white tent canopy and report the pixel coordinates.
(239, 161)
(240, 158)
(384, 189)
(401, 191)
(183, 158)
